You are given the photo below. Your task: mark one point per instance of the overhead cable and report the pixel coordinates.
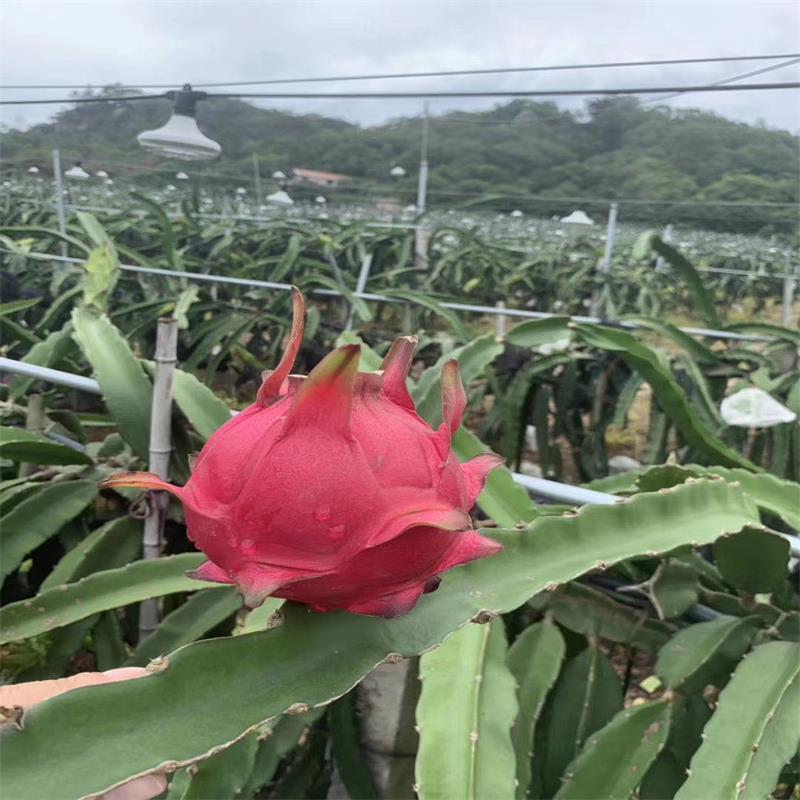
(739, 87)
(732, 79)
(427, 74)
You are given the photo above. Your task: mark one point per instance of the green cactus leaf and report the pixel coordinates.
(753, 560)
(226, 773)
(705, 652)
(593, 613)
(199, 404)
(18, 445)
(346, 749)
(39, 517)
(502, 498)
(112, 545)
(587, 695)
(754, 730)
(537, 332)
(673, 589)
(281, 736)
(615, 759)
(310, 659)
(126, 389)
(464, 716)
(201, 612)
(534, 660)
(652, 366)
(101, 591)
(771, 493)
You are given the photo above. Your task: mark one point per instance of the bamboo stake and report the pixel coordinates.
(34, 421)
(160, 449)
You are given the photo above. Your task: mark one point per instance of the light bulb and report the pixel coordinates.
(76, 172)
(280, 198)
(180, 137)
(578, 217)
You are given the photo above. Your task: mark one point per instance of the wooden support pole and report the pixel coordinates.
(160, 449)
(34, 421)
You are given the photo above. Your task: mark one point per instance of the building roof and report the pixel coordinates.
(316, 175)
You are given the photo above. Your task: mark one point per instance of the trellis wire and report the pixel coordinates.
(539, 487)
(467, 307)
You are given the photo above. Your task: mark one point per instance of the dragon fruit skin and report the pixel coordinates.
(330, 490)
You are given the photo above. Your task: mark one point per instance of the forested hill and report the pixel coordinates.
(617, 148)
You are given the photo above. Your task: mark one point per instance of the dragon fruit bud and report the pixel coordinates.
(330, 490)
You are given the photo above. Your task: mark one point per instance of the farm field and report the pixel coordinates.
(399, 401)
(651, 600)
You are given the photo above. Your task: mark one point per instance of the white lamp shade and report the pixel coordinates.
(180, 138)
(241, 190)
(181, 176)
(397, 172)
(77, 173)
(578, 217)
(412, 209)
(170, 187)
(754, 408)
(33, 170)
(109, 182)
(101, 173)
(516, 213)
(278, 175)
(280, 198)
(320, 200)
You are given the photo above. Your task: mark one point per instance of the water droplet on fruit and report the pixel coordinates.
(336, 531)
(322, 514)
(248, 547)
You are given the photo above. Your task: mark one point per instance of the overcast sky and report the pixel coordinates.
(173, 41)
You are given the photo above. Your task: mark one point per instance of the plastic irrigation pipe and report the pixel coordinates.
(50, 375)
(540, 487)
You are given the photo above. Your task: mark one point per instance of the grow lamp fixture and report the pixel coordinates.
(181, 176)
(76, 172)
(101, 173)
(280, 198)
(578, 217)
(33, 170)
(180, 137)
(397, 172)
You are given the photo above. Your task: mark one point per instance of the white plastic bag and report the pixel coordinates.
(754, 408)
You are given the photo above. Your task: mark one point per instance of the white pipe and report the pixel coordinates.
(62, 223)
(361, 284)
(563, 492)
(541, 487)
(788, 301)
(50, 375)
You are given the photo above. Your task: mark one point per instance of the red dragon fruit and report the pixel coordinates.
(330, 490)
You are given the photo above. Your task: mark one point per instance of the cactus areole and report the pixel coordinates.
(330, 490)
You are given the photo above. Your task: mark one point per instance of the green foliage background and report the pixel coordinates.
(616, 148)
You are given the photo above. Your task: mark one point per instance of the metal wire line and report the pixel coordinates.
(731, 79)
(468, 307)
(428, 74)
(739, 87)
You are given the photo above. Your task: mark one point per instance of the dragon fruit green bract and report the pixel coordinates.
(330, 490)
